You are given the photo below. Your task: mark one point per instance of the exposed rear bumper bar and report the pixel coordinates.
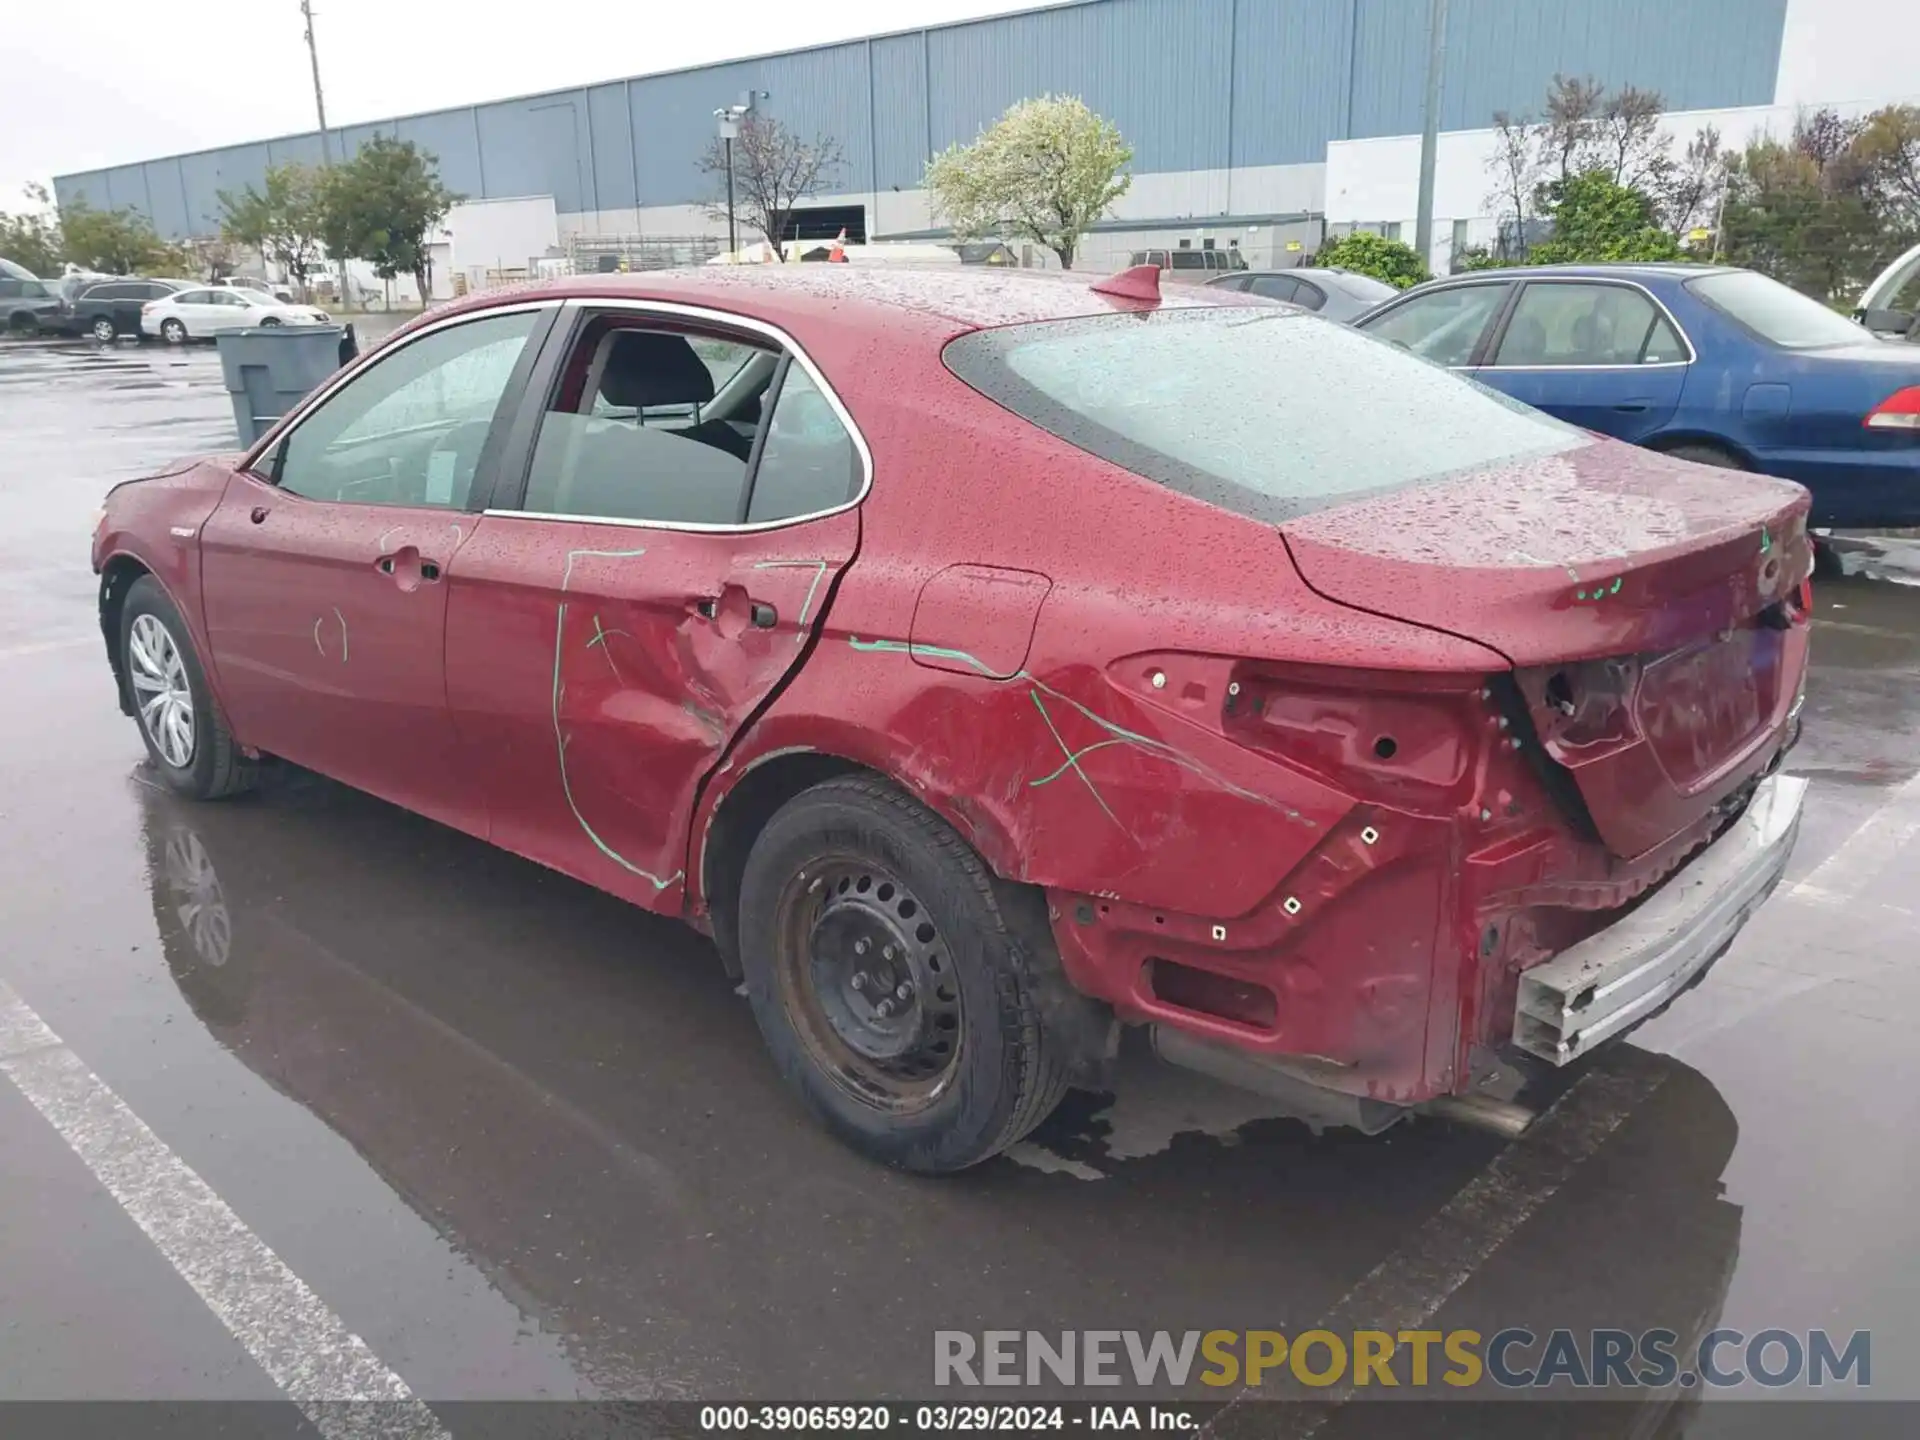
(1618, 977)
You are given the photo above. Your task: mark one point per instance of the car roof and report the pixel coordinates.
(948, 299)
(1658, 269)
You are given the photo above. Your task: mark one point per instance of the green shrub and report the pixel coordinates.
(1364, 254)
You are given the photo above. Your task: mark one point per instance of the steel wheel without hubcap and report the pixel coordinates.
(103, 329)
(161, 690)
(863, 974)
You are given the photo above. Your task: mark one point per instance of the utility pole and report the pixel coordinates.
(319, 99)
(1430, 127)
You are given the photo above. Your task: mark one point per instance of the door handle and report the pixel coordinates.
(1631, 407)
(760, 615)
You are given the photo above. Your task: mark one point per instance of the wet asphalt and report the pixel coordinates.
(524, 1141)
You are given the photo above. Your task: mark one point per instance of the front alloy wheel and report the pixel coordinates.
(162, 696)
(104, 329)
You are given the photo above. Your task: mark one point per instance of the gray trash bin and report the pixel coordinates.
(268, 368)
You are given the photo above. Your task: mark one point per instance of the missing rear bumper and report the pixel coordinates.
(1617, 978)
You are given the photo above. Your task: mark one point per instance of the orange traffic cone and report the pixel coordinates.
(839, 252)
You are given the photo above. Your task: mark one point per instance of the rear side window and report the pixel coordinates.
(1315, 413)
(1774, 313)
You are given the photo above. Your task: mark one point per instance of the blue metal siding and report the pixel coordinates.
(900, 142)
(1158, 70)
(1192, 84)
(1291, 64)
(1502, 54)
(449, 136)
(537, 146)
(816, 93)
(612, 147)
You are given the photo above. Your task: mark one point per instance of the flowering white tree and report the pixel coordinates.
(1045, 171)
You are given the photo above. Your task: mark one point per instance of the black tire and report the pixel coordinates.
(269, 320)
(1002, 1076)
(25, 325)
(215, 768)
(1708, 455)
(1826, 561)
(173, 331)
(103, 329)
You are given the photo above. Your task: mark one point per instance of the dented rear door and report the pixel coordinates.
(598, 672)
(600, 665)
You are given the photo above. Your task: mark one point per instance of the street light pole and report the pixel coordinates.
(1430, 127)
(733, 242)
(729, 118)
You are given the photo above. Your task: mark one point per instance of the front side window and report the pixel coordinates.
(1569, 325)
(1443, 326)
(1189, 260)
(1317, 413)
(408, 430)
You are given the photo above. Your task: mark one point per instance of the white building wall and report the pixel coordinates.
(1848, 50)
(1377, 182)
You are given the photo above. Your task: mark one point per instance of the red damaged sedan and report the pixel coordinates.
(986, 660)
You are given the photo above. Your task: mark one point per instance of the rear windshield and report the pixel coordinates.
(1267, 412)
(1773, 312)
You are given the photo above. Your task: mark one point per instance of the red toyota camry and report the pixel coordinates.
(987, 660)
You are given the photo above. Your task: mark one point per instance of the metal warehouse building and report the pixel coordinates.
(1230, 106)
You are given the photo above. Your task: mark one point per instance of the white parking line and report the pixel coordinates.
(1843, 875)
(306, 1348)
(1407, 1289)
(42, 647)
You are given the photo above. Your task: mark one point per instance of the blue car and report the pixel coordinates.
(1708, 363)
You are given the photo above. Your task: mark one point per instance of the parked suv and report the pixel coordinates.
(29, 304)
(1193, 266)
(108, 309)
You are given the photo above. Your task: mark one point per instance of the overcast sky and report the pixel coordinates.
(107, 82)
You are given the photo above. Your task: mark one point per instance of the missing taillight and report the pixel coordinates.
(1206, 993)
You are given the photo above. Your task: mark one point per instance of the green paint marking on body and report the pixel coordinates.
(1073, 761)
(819, 568)
(1119, 733)
(560, 736)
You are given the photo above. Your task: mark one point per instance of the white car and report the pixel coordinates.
(201, 314)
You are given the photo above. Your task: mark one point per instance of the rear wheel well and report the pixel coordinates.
(743, 812)
(1668, 444)
(116, 579)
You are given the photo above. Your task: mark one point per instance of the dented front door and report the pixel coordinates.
(597, 672)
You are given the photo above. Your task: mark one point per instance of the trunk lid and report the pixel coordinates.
(1652, 610)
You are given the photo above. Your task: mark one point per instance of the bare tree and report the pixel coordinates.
(1515, 167)
(1628, 137)
(1567, 133)
(773, 171)
(1689, 193)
